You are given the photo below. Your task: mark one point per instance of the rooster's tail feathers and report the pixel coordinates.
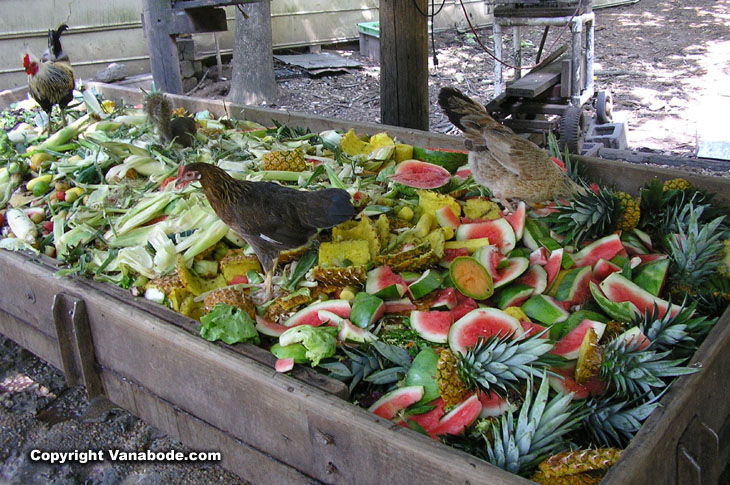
(460, 108)
(54, 42)
(328, 207)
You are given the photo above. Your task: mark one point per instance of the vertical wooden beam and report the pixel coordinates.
(164, 62)
(404, 63)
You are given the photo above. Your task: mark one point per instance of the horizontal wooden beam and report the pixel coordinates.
(186, 4)
(197, 21)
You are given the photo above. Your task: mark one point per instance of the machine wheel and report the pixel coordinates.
(604, 107)
(572, 125)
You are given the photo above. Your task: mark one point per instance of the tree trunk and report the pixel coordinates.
(253, 64)
(404, 64)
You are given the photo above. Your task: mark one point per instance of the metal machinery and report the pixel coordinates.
(552, 97)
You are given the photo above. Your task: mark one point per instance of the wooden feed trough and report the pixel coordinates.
(274, 428)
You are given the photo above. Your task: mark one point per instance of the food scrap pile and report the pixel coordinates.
(538, 339)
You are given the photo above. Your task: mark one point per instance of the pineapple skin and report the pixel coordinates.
(229, 296)
(292, 160)
(451, 387)
(576, 467)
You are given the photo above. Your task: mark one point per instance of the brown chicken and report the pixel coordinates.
(507, 164)
(51, 82)
(269, 217)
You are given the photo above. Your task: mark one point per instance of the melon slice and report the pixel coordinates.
(392, 403)
(399, 306)
(471, 278)
(452, 254)
(268, 327)
(366, 309)
(533, 233)
(432, 326)
(445, 298)
(493, 404)
(623, 312)
(531, 328)
(517, 219)
(536, 277)
(349, 332)
(446, 218)
(422, 372)
(607, 247)
(573, 288)
(545, 309)
(430, 420)
(463, 307)
(421, 175)
(463, 415)
(284, 365)
(603, 268)
(489, 257)
(515, 267)
(552, 267)
(481, 323)
(564, 382)
(514, 295)
(634, 338)
(309, 315)
(619, 289)
(498, 231)
(425, 284)
(384, 283)
(539, 256)
(569, 346)
(651, 275)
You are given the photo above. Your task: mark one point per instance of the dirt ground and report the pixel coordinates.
(666, 63)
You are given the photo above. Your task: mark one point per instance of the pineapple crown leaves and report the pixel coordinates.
(588, 215)
(518, 445)
(500, 361)
(613, 421)
(378, 363)
(667, 331)
(633, 372)
(695, 251)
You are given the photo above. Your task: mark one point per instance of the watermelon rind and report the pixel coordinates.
(620, 289)
(573, 287)
(561, 329)
(294, 351)
(392, 403)
(366, 309)
(422, 372)
(451, 161)
(468, 287)
(351, 333)
(267, 327)
(432, 326)
(309, 314)
(481, 322)
(420, 175)
(463, 415)
(569, 345)
(514, 295)
(384, 283)
(498, 231)
(428, 282)
(606, 247)
(536, 277)
(651, 275)
(515, 268)
(545, 309)
(622, 312)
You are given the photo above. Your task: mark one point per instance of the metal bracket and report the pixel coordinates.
(75, 344)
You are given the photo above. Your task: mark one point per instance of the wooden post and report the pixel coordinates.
(404, 63)
(164, 62)
(252, 76)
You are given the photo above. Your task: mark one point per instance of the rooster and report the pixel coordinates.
(51, 82)
(509, 165)
(269, 217)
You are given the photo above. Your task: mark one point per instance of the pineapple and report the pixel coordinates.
(633, 372)
(285, 304)
(451, 387)
(589, 358)
(517, 445)
(290, 160)
(229, 296)
(591, 215)
(413, 259)
(613, 329)
(498, 361)
(576, 467)
(676, 184)
(613, 421)
(695, 250)
(340, 277)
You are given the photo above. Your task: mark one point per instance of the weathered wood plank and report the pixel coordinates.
(164, 63)
(188, 4)
(535, 83)
(404, 64)
(198, 21)
(41, 344)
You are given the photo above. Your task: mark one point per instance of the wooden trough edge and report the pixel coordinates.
(309, 431)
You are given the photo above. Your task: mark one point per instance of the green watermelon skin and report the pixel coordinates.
(420, 175)
(482, 322)
(309, 315)
(388, 406)
(432, 326)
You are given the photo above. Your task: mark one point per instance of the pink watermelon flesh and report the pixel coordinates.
(575, 291)
(492, 404)
(635, 337)
(645, 258)
(516, 219)
(309, 315)
(535, 276)
(391, 404)
(452, 254)
(539, 256)
(603, 268)
(553, 265)
(566, 384)
(384, 283)
(432, 326)
(569, 346)
(445, 298)
(463, 307)
(429, 420)
(268, 327)
(460, 417)
(284, 365)
(489, 257)
(421, 175)
(446, 218)
(619, 289)
(399, 306)
(482, 322)
(498, 231)
(516, 266)
(463, 172)
(607, 247)
(533, 328)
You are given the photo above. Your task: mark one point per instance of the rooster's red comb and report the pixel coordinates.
(26, 61)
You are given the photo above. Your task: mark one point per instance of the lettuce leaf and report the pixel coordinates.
(320, 342)
(229, 324)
